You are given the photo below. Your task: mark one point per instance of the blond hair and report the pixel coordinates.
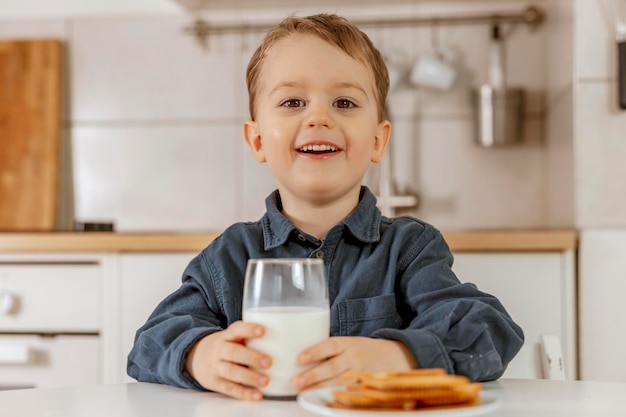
(333, 29)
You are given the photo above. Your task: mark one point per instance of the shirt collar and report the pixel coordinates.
(363, 222)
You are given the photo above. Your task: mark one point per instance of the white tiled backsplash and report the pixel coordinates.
(154, 123)
(599, 136)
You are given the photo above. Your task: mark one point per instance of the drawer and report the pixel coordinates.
(49, 298)
(32, 361)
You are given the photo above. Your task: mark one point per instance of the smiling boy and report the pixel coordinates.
(317, 89)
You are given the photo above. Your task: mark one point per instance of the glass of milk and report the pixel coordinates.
(289, 297)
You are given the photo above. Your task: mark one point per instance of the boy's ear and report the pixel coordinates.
(253, 139)
(381, 140)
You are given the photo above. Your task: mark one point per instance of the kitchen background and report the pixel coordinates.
(153, 121)
(152, 127)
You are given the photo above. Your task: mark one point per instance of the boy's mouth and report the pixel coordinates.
(317, 149)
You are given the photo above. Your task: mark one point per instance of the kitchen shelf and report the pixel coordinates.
(459, 241)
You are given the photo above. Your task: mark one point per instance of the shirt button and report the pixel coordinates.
(319, 254)
(301, 237)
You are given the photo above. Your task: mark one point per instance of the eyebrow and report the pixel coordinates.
(291, 84)
(351, 85)
(285, 84)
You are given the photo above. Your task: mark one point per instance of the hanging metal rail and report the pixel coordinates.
(531, 16)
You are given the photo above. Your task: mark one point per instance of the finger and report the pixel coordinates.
(327, 349)
(243, 355)
(328, 370)
(240, 331)
(242, 375)
(235, 390)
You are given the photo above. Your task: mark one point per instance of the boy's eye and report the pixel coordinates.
(292, 102)
(344, 104)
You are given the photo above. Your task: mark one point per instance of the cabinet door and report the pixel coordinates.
(602, 304)
(34, 361)
(537, 289)
(49, 297)
(146, 279)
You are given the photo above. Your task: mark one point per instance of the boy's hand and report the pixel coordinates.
(340, 354)
(221, 362)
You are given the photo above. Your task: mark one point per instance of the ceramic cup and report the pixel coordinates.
(433, 71)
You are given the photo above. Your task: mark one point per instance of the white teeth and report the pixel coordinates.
(318, 148)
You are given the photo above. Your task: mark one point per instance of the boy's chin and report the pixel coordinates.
(326, 192)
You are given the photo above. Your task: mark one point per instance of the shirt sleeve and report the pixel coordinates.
(451, 325)
(182, 318)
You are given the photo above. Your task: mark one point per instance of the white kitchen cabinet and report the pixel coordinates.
(48, 361)
(145, 279)
(72, 318)
(602, 304)
(49, 297)
(539, 292)
(50, 320)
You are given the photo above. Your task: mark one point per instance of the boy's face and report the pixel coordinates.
(316, 119)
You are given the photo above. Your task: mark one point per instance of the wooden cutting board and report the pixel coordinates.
(30, 133)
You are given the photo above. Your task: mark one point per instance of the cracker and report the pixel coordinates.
(460, 394)
(359, 376)
(335, 404)
(405, 390)
(415, 382)
(363, 399)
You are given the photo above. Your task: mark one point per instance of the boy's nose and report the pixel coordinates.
(319, 117)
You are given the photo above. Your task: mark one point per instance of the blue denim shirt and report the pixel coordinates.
(387, 278)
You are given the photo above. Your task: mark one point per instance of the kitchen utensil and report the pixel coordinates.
(498, 115)
(496, 59)
(433, 70)
(498, 109)
(618, 11)
(30, 134)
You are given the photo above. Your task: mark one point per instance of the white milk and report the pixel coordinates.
(288, 332)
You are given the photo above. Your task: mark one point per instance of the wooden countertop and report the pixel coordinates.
(459, 241)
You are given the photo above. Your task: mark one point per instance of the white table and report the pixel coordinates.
(522, 398)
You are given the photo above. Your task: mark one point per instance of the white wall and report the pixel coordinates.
(153, 121)
(600, 126)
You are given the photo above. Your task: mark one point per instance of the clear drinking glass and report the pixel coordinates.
(289, 297)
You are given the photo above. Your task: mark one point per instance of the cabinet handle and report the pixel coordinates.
(8, 302)
(14, 354)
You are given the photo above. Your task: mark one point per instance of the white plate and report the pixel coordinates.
(316, 400)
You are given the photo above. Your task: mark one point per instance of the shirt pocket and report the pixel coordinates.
(363, 316)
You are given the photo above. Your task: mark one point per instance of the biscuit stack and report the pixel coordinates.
(408, 390)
